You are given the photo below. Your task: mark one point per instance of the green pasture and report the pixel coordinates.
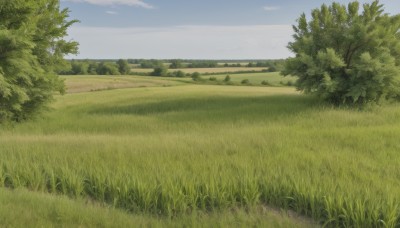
(178, 150)
(272, 78)
(85, 83)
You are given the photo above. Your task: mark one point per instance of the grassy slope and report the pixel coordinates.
(21, 208)
(250, 145)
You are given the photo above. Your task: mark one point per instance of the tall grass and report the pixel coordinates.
(21, 208)
(171, 151)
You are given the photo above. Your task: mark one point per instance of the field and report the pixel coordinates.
(205, 70)
(195, 155)
(273, 78)
(77, 84)
(22, 208)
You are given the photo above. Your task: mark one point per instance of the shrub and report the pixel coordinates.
(227, 78)
(265, 83)
(245, 81)
(196, 76)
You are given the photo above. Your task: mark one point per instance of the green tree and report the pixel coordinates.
(79, 68)
(107, 68)
(196, 76)
(31, 50)
(160, 71)
(347, 56)
(176, 64)
(180, 74)
(123, 66)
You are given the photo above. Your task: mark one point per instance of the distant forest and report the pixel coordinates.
(126, 66)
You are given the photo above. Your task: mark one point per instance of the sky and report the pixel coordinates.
(189, 29)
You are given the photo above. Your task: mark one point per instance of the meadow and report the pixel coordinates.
(192, 154)
(271, 78)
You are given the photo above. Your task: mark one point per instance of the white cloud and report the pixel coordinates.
(139, 3)
(271, 8)
(188, 42)
(111, 12)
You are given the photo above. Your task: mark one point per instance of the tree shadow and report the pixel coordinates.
(216, 108)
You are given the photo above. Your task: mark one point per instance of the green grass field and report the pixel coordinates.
(83, 83)
(273, 78)
(167, 153)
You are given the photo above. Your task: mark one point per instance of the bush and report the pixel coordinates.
(196, 76)
(227, 78)
(213, 79)
(272, 69)
(265, 83)
(245, 81)
(179, 74)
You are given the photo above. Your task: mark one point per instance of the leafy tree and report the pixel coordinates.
(107, 68)
(272, 68)
(180, 74)
(31, 50)
(92, 68)
(196, 76)
(79, 68)
(176, 64)
(347, 56)
(152, 63)
(159, 71)
(123, 66)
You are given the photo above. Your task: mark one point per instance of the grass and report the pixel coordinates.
(172, 151)
(77, 84)
(273, 78)
(21, 208)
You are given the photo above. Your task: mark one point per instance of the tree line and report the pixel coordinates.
(92, 67)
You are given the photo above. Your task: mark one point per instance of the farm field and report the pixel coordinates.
(77, 84)
(205, 70)
(134, 149)
(273, 78)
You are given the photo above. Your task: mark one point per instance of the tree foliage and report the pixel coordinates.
(123, 66)
(31, 50)
(345, 55)
(160, 71)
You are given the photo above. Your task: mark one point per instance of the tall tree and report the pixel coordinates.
(344, 55)
(123, 66)
(31, 50)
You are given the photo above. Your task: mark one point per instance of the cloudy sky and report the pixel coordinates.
(195, 29)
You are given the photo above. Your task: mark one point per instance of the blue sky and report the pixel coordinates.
(202, 29)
